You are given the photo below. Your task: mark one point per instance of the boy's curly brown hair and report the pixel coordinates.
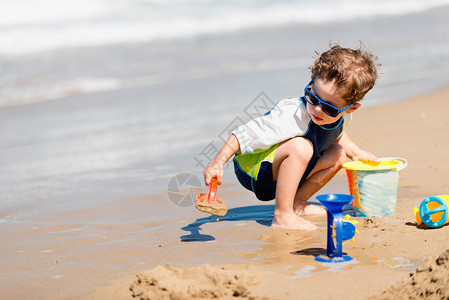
(353, 71)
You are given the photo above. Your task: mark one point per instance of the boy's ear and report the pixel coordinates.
(354, 107)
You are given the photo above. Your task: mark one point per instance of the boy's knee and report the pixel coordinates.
(301, 148)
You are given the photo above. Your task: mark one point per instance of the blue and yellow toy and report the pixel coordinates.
(338, 227)
(433, 211)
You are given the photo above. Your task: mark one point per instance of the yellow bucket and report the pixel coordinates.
(374, 186)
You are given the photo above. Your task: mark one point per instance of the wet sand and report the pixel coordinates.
(97, 251)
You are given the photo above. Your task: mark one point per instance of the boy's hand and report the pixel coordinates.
(354, 152)
(365, 156)
(215, 169)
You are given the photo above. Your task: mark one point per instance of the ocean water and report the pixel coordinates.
(33, 26)
(115, 98)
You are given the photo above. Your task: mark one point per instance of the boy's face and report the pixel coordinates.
(328, 93)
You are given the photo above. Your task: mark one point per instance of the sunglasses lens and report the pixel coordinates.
(311, 99)
(330, 110)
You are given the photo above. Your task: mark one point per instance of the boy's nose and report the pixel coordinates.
(319, 108)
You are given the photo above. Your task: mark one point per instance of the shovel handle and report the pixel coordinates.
(212, 190)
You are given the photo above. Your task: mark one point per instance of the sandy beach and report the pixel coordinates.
(98, 252)
(279, 264)
(109, 117)
(139, 239)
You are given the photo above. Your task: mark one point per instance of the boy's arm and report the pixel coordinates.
(287, 119)
(215, 169)
(353, 151)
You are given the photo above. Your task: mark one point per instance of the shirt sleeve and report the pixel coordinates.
(286, 120)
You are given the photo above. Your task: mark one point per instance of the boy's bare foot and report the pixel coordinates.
(291, 221)
(310, 209)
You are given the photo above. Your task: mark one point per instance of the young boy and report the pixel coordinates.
(296, 148)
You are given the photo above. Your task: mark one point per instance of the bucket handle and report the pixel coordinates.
(403, 160)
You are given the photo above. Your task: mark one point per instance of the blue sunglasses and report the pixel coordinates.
(314, 100)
